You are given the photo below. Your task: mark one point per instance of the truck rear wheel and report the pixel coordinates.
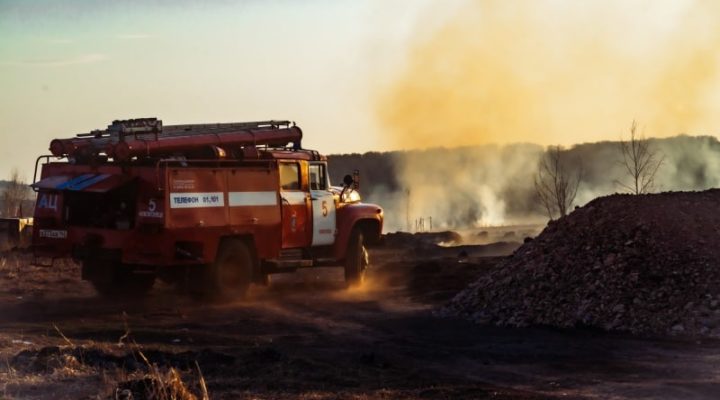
(118, 280)
(231, 273)
(356, 259)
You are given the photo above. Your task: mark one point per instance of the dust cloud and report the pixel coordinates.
(546, 72)
(557, 72)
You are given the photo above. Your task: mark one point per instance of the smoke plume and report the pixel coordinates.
(477, 186)
(557, 72)
(546, 72)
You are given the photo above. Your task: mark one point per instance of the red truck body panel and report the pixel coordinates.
(167, 198)
(165, 210)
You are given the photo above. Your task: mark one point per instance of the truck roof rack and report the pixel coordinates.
(122, 128)
(152, 130)
(211, 128)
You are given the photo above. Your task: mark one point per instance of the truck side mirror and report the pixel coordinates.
(348, 180)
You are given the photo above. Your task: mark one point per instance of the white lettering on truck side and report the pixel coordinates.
(151, 211)
(48, 201)
(197, 200)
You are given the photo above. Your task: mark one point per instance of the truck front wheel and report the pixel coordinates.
(356, 259)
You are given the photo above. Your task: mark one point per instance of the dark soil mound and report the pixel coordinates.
(646, 264)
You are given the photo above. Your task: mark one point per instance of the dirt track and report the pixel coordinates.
(306, 337)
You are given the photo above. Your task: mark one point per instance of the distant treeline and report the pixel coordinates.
(470, 186)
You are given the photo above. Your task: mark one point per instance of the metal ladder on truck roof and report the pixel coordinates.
(154, 126)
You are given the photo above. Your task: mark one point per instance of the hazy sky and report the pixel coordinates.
(361, 75)
(72, 66)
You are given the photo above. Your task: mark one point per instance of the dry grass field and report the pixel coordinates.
(306, 337)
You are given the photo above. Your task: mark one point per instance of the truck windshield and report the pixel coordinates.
(318, 180)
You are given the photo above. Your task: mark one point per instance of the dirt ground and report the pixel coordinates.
(306, 337)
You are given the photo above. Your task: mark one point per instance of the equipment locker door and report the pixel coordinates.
(323, 206)
(295, 207)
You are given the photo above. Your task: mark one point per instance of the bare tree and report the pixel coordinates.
(555, 184)
(16, 191)
(640, 161)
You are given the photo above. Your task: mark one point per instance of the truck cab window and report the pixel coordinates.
(289, 176)
(318, 179)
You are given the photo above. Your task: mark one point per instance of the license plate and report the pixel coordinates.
(53, 234)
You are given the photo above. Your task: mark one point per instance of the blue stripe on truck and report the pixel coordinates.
(88, 182)
(73, 181)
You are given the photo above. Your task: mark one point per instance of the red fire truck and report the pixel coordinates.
(214, 206)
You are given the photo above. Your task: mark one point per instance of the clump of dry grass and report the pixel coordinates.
(74, 368)
(156, 385)
(159, 384)
(9, 266)
(61, 374)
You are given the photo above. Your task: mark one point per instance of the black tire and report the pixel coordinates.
(230, 275)
(356, 259)
(119, 281)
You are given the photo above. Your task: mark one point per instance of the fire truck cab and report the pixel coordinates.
(214, 207)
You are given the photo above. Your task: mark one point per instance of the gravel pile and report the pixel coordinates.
(646, 264)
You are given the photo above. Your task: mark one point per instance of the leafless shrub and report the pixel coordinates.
(640, 161)
(556, 186)
(13, 196)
